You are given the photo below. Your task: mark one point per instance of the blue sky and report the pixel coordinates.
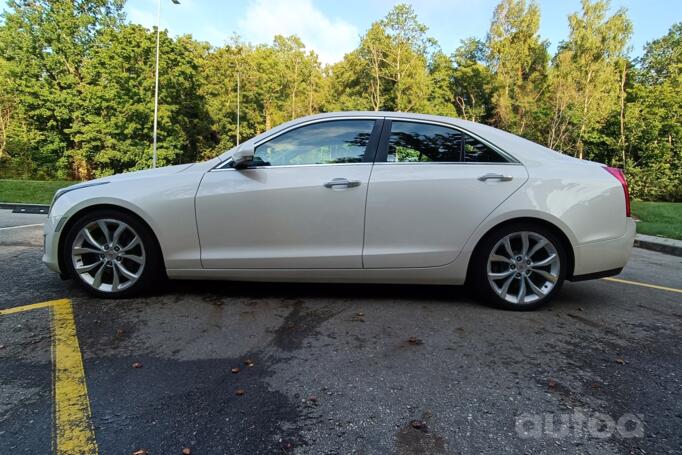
(332, 27)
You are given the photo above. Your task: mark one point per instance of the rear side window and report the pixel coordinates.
(422, 142)
(477, 152)
(414, 142)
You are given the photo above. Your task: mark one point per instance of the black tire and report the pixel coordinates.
(478, 271)
(151, 273)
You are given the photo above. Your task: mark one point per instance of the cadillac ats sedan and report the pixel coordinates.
(371, 197)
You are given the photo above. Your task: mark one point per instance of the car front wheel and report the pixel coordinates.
(520, 267)
(111, 254)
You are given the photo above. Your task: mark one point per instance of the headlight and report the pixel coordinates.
(61, 192)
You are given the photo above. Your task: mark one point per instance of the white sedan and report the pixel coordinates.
(372, 197)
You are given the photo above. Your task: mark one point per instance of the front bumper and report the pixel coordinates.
(606, 256)
(51, 243)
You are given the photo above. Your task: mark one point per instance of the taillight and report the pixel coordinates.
(620, 175)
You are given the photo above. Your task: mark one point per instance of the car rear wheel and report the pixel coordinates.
(519, 267)
(111, 254)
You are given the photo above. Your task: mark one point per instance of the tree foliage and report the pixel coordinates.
(77, 84)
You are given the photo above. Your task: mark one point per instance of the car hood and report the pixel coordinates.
(145, 173)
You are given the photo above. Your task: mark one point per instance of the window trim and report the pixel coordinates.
(368, 157)
(382, 152)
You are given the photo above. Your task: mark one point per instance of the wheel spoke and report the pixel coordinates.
(507, 246)
(498, 258)
(125, 272)
(539, 292)
(117, 233)
(91, 240)
(132, 244)
(132, 257)
(86, 268)
(505, 287)
(546, 275)
(547, 261)
(500, 275)
(522, 291)
(116, 282)
(98, 277)
(105, 230)
(78, 250)
(524, 243)
(536, 248)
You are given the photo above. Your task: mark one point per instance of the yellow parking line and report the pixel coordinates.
(73, 428)
(646, 285)
(34, 306)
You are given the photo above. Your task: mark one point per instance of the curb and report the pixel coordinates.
(25, 208)
(659, 244)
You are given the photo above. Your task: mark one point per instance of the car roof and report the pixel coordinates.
(523, 150)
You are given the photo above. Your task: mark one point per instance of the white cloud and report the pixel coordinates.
(330, 38)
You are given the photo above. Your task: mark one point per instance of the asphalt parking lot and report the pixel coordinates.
(327, 369)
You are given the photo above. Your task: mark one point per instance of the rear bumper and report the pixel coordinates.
(599, 259)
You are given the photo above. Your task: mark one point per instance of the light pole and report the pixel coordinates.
(156, 76)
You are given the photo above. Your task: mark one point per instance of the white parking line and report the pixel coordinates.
(22, 226)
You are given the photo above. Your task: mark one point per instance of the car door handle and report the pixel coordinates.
(500, 177)
(341, 182)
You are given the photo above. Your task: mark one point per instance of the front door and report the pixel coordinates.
(303, 206)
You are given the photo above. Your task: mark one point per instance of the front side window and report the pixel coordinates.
(423, 142)
(333, 142)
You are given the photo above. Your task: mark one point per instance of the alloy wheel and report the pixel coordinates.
(523, 267)
(108, 255)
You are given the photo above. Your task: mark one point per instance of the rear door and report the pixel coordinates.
(303, 206)
(431, 186)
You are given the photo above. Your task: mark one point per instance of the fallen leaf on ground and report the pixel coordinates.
(239, 392)
(414, 340)
(620, 361)
(235, 370)
(137, 365)
(418, 424)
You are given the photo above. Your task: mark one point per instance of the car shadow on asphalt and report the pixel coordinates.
(438, 293)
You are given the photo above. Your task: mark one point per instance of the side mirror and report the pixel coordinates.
(242, 158)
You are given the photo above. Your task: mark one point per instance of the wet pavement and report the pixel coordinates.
(328, 369)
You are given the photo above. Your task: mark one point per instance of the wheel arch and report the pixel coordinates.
(566, 243)
(92, 208)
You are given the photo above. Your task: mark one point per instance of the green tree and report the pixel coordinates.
(517, 58)
(472, 82)
(654, 120)
(46, 44)
(113, 129)
(585, 78)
